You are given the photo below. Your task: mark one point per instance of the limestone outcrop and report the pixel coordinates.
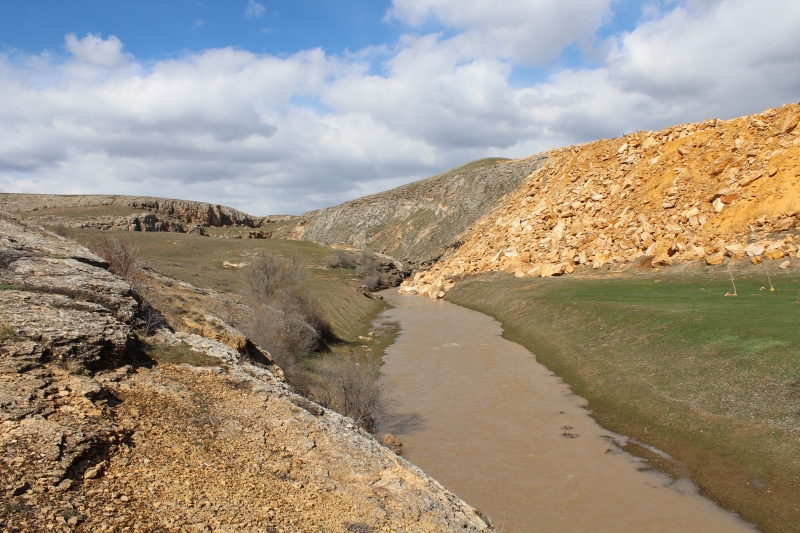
(157, 214)
(100, 432)
(710, 191)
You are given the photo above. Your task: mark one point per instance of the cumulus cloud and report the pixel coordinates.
(529, 31)
(285, 134)
(94, 50)
(254, 10)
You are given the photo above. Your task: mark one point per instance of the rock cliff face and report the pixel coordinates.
(711, 192)
(421, 222)
(95, 435)
(173, 213)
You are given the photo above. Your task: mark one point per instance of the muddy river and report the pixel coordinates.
(493, 425)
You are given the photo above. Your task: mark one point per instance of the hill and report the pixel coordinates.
(711, 191)
(108, 426)
(421, 222)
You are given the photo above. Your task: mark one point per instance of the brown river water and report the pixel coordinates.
(482, 416)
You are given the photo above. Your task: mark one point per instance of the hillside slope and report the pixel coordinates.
(420, 222)
(104, 430)
(710, 191)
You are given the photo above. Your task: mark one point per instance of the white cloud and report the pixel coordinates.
(287, 134)
(529, 31)
(93, 50)
(254, 10)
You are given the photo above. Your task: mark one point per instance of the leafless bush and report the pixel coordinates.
(285, 319)
(61, 230)
(149, 320)
(271, 275)
(342, 259)
(353, 388)
(123, 258)
(370, 272)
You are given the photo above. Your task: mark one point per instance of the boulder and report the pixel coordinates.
(715, 259)
(754, 250)
(735, 251)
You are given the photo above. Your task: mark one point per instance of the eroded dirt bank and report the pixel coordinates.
(482, 416)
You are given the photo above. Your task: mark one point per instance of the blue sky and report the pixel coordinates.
(289, 106)
(153, 30)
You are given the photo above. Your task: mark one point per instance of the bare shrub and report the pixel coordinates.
(352, 387)
(61, 230)
(123, 258)
(285, 319)
(342, 259)
(149, 320)
(370, 273)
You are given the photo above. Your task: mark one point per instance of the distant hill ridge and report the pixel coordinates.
(187, 211)
(421, 222)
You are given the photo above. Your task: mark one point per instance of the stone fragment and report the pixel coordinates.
(715, 259)
(785, 224)
(662, 259)
(756, 260)
(553, 270)
(718, 205)
(735, 251)
(750, 178)
(792, 119)
(785, 265)
(754, 250)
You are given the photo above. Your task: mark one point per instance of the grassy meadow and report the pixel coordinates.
(198, 260)
(670, 361)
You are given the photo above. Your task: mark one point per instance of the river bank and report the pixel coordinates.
(668, 360)
(480, 414)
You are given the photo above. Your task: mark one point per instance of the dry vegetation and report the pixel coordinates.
(285, 319)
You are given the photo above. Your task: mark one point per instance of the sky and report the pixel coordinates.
(287, 106)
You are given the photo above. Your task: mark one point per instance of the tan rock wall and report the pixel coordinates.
(692, 192)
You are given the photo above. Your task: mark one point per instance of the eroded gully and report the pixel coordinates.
(493, 425)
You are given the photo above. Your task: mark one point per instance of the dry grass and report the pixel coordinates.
(6, 331)
(179, 354)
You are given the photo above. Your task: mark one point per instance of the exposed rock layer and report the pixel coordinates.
(172, 211)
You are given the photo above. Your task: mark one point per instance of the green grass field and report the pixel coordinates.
(198, 260)
(672, 362)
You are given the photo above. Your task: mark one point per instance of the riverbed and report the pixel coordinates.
(482, 416)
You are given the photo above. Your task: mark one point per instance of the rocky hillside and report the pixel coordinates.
(712, 192)
(421, 222)
(105, 426)
(141, 213)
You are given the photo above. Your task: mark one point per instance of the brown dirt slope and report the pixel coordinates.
(696, 191)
